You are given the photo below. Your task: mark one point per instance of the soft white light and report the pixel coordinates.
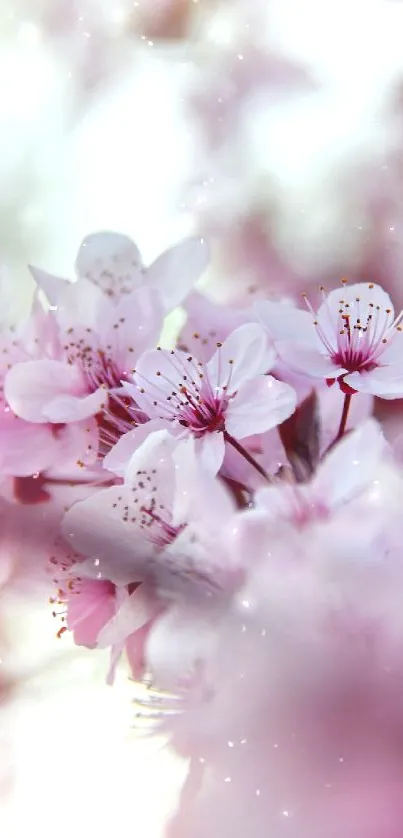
(220, 30)
(29, 34)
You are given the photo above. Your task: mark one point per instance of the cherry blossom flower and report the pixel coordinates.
(217, 403)
(105, 320)
(112, 262)
(156, 536)
(353, 338)
(343, 478)
(86, 606)
(26, 448)
(98, 343)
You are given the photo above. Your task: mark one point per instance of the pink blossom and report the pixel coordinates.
(227, 399)
(26, 448)
(104, 321)
(298, 721)
(88, 607)
(345, 474)
(353, 338)
(112, 262)
(98, 343)
(162, 528)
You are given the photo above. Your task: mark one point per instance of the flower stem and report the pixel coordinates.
(248, 457)
(344, 416)
(238, 491)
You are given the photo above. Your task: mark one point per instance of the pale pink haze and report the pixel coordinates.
(354, 338)
(228, 397)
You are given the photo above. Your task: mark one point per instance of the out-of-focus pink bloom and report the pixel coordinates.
(112, 262)
(280, 541)
(297, 725)
(344, 475)
(157, 534)
(228, 398)
(354, 339)
(88, 608)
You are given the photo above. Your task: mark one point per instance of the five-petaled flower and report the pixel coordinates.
(105, 320)
(354, 339)
(217, 403)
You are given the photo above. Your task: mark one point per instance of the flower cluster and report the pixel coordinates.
(202, 480)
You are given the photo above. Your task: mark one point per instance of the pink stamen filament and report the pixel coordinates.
(359, 342)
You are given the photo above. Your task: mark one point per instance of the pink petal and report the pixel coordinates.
(351, 465)
(31, 386)
(89, 609)
(134, 324)
(134, 613)
(198, 566)
(155, 453)
(259, 405)
(118, 458)
(76, 442)
(197, 488)
(40, 334)
(177, 270)
(112, 262)
(159, 374)
(208, 322)
(328, 313)
(273, 503)
(52, 286)
(385, 382)
(392, 351)
(177, 644)
(284, 321)
(116, 654)
(305, 359)
(82, 306)
(66, 408)
(245, 354)
(26, 448)
(117, 549)
(210, 450)
(135, 650)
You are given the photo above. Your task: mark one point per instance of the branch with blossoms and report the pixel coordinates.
(172, 471)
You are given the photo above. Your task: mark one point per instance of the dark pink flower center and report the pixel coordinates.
(100, 369)
(357, 333)
(119, 416)
(193, 402)
(204, 413)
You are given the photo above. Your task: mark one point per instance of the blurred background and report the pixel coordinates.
(272, 127)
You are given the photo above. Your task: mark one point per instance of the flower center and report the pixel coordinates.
(193, 402)
(119, 414)
(359, 331)
(147, 511)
